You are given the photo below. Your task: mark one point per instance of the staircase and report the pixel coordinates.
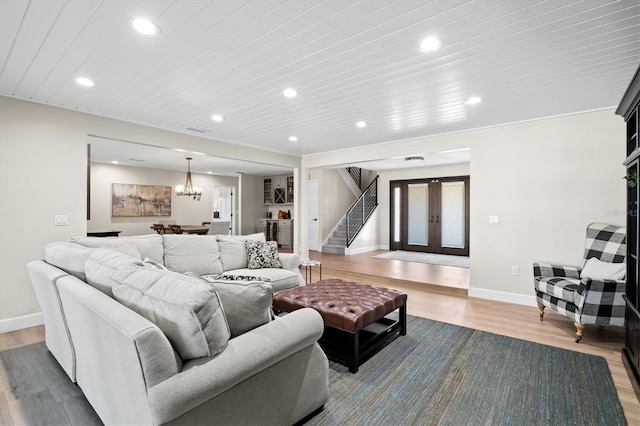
(337, 242)
(353, 221)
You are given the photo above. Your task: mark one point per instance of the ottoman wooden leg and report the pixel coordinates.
(403, 320)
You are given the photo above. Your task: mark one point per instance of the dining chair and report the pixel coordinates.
(159, 228)
(175, 229)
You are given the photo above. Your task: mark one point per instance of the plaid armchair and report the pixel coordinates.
(585, 300)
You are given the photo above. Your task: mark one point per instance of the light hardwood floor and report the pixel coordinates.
(440, 293)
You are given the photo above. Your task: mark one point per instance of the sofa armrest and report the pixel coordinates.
(203, 379)
(291, 261)
(550, 270)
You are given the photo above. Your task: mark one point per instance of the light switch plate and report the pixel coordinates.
(61, 220)
(494, 219)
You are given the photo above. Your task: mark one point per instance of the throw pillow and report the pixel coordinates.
(598, 270)
(246, 304)
(262, 254)
(211, 278)
(187, 311)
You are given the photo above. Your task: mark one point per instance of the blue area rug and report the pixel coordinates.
(442, 374)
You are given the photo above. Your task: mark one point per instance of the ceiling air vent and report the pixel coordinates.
(193, 129)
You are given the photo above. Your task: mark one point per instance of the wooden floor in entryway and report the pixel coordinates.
(440, 293)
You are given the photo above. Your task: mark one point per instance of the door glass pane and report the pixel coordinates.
(453, 210)
(418, 214)
(396, 214)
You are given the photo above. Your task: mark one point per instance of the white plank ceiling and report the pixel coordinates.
(348, 60)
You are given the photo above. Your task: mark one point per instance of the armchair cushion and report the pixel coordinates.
(558, 287)
(599, 270)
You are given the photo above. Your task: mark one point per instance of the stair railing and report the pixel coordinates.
(356, 175)
(361, 210)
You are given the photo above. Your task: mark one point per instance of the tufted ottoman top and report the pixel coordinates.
(345, 305)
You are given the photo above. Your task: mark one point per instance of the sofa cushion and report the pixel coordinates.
(101, 264)
(187, 310)
(280, 279)
(148, 245)
(246, 303)
(195, 253)
(262, 254)
(71, 257)
(233, 253)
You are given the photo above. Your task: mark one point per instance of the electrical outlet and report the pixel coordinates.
(494, 219)
(515, 270)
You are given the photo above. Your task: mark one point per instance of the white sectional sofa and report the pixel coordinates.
(172, 329)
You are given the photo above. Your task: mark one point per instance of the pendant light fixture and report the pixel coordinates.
(188, 189)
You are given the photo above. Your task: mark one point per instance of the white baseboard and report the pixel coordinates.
(350, 252)
(502, 296)
(18, 323)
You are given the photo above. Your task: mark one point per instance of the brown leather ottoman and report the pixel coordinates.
(353, 314)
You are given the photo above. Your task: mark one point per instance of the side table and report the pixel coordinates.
(308, 265)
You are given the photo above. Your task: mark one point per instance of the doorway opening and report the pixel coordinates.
(222, 222)
(430, 215)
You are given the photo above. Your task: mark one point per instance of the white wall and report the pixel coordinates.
(43, 172)
(184, 210)
(335, 198)
(545, 179)
(250, 206)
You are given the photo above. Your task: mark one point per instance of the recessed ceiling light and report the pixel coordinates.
(179, 150)
(144, 26)
(293, 138)
(290, 93)
(429, 44)
(217, 118)
(115, 162)
(209, 173)
(84, 81)
(473, 100)
(361, 124)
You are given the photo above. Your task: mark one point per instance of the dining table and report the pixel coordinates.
(194, 229)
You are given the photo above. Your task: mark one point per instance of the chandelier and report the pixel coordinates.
(188, 189)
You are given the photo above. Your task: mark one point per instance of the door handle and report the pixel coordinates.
(437, 219)
(315, 219)
(431, 220)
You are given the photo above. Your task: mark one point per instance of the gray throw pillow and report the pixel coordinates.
(246, 304)
(262, 254)
(187, 310)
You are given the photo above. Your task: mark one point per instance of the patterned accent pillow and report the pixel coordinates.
(262, 254)
(212, 278)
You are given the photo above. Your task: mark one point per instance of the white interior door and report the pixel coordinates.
(314, 214)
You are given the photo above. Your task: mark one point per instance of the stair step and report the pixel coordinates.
(339, 234)
(333, 241)
(328, 248)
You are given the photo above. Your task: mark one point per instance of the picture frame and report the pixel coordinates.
(133, 200)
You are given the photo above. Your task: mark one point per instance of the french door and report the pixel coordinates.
(430, 215)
